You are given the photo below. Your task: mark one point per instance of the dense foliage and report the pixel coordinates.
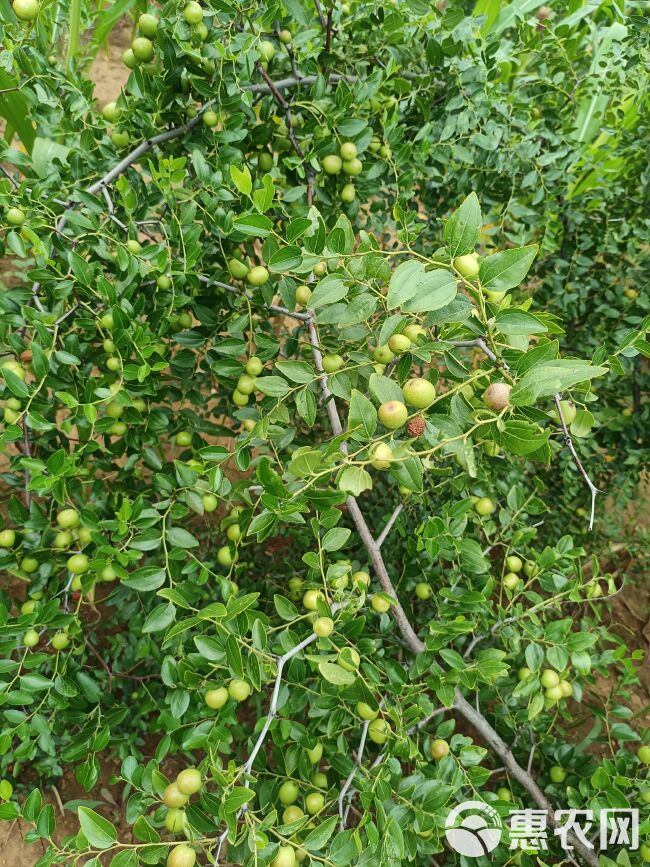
(297, 335)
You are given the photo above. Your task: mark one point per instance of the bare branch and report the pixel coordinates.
(389, 524)
(286, 108)
(568, 441)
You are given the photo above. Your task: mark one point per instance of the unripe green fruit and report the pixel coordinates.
(303, 294)
(60, 640)
(108, 573)
(183, 438)
(514, 563)
(14, 366)
(315, 753)
(643, 755)
(134, 246)
(311, 598)
(142, 49)
(374, 145)
(216, 698)
(419, 393)
(644, 852)
(380, 604)
(193, 13)
(225, 556)
(549, 678)
(129, 59)
(567, 689)
(106, 321)
(413, 332)
(439, 749)
(29, 564)
(288, 793)
(15, 216)
(467, 266)
(237, 268)
(361, 578)
(246, 384)
(511, 580)
(173, 797)
(524, 673)
(234, 532)
(68, 518)
(84, 535)
(30, 638)
(323, 626)
(189, 781)
(7, 538)
(257, 276)
(26, 10)
(392, 414)
(379, 731)
(497, 396)
(348, 151)
(554, 694)
(332, 363)
(181, 856)
(644, 794)
(569, 411)
(557, 774)
(504, 794)
(314, 803)
(266, 50)
(352, 167)
(320, 269)
(78, 564)
(239, 399)
(348, 659)
(366, 712)
(163, 281)
(148, 25)
(332, 165)
(28, 606)
(210, 502)
(286, 857)
(239, 689)
(348, 194)
(399, 343)
(381, 456)
(319, 780)
(175, 820)
(285, 37)
(531, 570)
(423, 590)
(120, 139)
(265, 161)
(484, 506)
(210, 118)
(254, 366)
(292, 814)
(114, 410)
(383, 354)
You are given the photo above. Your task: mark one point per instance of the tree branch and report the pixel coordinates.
(389, 524)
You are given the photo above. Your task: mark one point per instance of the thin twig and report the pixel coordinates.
(389, 524)
(27, 451)
(286, 108)
(328, 35)
(568, 441)
(319, 11)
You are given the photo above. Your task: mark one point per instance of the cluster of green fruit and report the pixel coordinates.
(177, 794)
(348, 162)
(514, 565)
(555, 688)
(238, 690)
(142, 47)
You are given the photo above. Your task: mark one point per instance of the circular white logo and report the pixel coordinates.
(475, 834)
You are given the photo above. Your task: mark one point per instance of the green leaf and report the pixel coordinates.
(335, 674)
(362, 417)
(506, 269)
(286, 259)
(272, 386)
(435, 289)
(237, 798)
(317, 838)
(522, 437)
(355, 480)
(462, 231)
(160, 618)
(551, 377)
(403, 283)
(242, 179)
(329, 290)
(512, 321)
(253, 224)
(180, 538)
(99, 832)
(336, 538)
(296, 371)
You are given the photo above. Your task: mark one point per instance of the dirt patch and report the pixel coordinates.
(108, 72)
